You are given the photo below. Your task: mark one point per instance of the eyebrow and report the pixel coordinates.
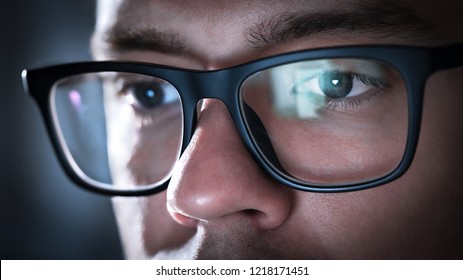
(379, 20)
(122, 38)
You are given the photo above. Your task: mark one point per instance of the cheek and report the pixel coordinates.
(439, 157)
(441, 136)
(155, 151)
(143, 146)
(350, 225)
(388, 222)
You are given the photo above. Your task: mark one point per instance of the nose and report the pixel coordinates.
(216, 177)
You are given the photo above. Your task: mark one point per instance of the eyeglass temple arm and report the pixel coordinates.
(449, 56)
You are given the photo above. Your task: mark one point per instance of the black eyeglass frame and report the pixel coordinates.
(415, 64)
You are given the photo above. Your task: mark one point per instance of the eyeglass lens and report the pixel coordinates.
(121, 130)
(331, 121)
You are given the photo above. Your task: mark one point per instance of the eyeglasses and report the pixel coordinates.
(324, 120)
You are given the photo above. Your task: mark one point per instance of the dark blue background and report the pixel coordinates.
(42, 214)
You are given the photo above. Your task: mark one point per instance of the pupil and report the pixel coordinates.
(150, 93)
(335, 85)
(149, 96)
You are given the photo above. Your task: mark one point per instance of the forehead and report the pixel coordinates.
(160, 11)
(225, 28)
(242, 11)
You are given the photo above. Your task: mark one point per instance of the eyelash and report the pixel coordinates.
(352, 103)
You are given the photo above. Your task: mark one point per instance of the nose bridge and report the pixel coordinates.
(206, 85)
(224, 85)
(219, 84)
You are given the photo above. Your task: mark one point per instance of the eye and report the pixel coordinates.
(149, 95)
(334, 84)
(145, 95)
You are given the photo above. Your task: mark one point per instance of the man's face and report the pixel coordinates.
(221, 205)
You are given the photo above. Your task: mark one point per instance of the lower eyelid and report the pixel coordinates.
(356, 102)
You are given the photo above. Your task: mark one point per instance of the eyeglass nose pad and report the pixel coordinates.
(194, 120)
(260, 136)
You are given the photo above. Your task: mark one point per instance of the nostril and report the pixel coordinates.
(258, 218)
(251, 212)
(266, 219)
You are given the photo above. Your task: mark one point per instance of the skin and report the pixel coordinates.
(221, 205)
